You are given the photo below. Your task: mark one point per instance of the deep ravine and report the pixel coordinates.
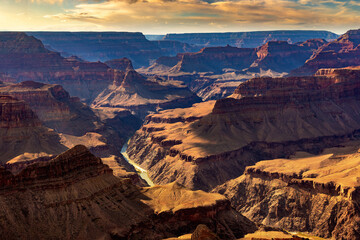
(142, 172)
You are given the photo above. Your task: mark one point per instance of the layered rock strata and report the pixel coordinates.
(319, 194)
(21, 132)
(141, 94)
(340, 53)
(75, 196)
(265, 118)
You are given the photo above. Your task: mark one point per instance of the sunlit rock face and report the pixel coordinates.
(76, 196)
(316, 194)
(265, 118)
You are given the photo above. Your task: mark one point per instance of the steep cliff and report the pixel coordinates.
(75, 196)
(343, 52)
(318, 194)
(265, 118)
(280, 56)
(103, 131)
(21, 132)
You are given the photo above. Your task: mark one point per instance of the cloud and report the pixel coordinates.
(42, 1)
(156, 15)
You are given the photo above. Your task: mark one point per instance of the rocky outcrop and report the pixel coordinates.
(202, 232)
(313, 194)
(343, 52)
(75, 196)
(122, 64)
(248, 39)
(21, 132)
(265, 118)
(142, 95)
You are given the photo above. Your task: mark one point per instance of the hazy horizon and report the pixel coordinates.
(158, 17)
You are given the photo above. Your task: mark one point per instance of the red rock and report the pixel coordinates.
(340, 53)
(265, 118)
(75, 195)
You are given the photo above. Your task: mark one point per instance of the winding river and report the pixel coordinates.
(142, 172)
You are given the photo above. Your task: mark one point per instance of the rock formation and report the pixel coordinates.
(280, 56)
(103, 131)
(265, 118)
(21, 132)
(248, 39)
(277, 56)
(75, 196)
(210, 59)
(142, 95)
(343, 52)
(202, 232)
(317, 194)
(122, 64)
(24, 58)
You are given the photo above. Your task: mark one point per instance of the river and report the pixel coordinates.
(142, 172)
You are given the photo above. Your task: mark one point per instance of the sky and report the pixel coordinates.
(177, 16)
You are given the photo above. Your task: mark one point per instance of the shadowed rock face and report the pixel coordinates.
(142, 95)
(122, 64)
(265, 118)
(22, 132)
(103, 131)
(75, 196)
(282, 57)
(102, 46)
(318, 194)
(277, 56)
(16, 114)
(202, 232)
(248, 39)
(105, 46)
(24, 58)
(343, 52)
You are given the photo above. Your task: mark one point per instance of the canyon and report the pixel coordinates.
(257, 138)
(142, 95)
(215, 72)
(212, 142)
(76, 196)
